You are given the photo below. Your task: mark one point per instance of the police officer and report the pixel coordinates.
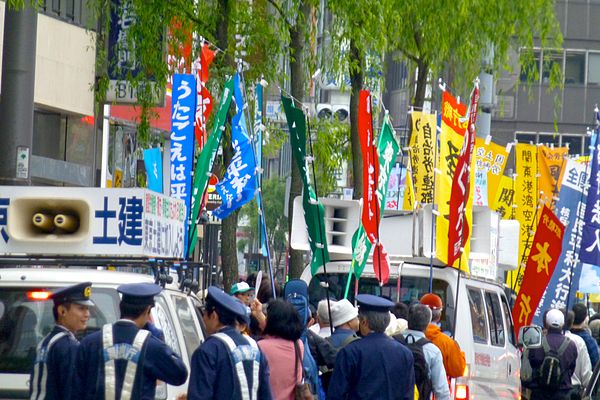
(377, 366)
(53, 367)
(124, 360)
(228, 365)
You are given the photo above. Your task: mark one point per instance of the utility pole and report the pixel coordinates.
(16, 94)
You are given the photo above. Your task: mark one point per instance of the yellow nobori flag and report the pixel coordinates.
(408, 203)
(503, 201)
(422, 155)
(451, 141)
(526, 201)
(551, 162)
(490, 159)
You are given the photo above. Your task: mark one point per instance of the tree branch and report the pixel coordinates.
(280, 11)
(409, 55)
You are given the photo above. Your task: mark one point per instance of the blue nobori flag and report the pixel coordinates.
(182, 139)
(153, 163)
(570, 209)
(239, 183)
(590, 244)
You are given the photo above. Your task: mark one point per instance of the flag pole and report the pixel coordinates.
(259, 184)
(321, 228)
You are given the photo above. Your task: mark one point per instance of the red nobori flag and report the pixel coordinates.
(370, 210)
(204, 101)
(458, 230)
(543, 257)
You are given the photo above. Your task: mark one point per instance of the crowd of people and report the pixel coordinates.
(283, 349)
(562, 366)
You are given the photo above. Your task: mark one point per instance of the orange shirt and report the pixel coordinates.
(453, 356)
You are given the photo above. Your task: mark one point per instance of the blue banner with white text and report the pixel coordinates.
(238, 186)
(182, 139)
(590, 247)
(570, 209)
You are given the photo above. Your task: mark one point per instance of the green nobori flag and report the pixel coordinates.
(206, 159)
(314, 211)
(387, 148)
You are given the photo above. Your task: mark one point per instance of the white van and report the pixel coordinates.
(24, 321)
(484, 328)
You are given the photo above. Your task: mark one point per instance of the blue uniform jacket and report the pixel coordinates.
(375, 367)
(157, 361)
(212, 373)
(59, 361)
(590, 343)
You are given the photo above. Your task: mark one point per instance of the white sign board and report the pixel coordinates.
(112, 222)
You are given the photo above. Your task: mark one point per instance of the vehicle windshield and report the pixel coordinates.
(24, 322)
(410, 291)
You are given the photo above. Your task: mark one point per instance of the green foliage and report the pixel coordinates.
(273, 191)
(446, 35)
(331, 149)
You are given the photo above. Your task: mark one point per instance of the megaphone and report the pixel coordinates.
(43, 219)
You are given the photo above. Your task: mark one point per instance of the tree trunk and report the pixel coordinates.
(298, 85)
(421, 84)
(229, 261)
(356, 80)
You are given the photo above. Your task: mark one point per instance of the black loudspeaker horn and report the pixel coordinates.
(43, 219)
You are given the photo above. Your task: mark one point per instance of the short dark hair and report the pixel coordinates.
(132, 311)
(283, 321)
(400, 310)
(581, 313)
(419, 316)
(55, 309)
(377, 321)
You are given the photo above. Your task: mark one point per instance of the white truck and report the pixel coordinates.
(483, 328)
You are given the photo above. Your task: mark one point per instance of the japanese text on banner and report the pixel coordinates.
(526, 200)
(590, 249)
(570, 210)
(182, 138)
(422, 156)
(551, 163)
(503, 201)
(544, 255)
(490, 160)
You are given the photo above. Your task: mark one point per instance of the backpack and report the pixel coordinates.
(296, 293)
(422, 380)
(551, 372)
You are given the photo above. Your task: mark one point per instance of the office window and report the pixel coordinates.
(594, 68)
(526, 137)
(574, 68)
(70, 9)
(575, 143)
(56, 7)
(531, 69)
(551, 65)
(549, 139)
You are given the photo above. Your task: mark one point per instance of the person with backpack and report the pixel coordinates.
(546, 371)
(228, 365)
(296, 293)
(376, 366)
(430, 375)
(580, 328)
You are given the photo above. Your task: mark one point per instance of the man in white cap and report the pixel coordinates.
(323, 327)
(546, 383)
(345, 320)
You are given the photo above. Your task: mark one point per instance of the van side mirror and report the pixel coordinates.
(530, 336)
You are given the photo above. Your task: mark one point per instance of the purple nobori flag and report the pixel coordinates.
(570, 209)
(182, 139)
(590, 246)
(239, 184)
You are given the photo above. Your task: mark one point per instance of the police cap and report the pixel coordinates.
(368, 302)
(79, 294)
(225, 302)
(139, 293)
